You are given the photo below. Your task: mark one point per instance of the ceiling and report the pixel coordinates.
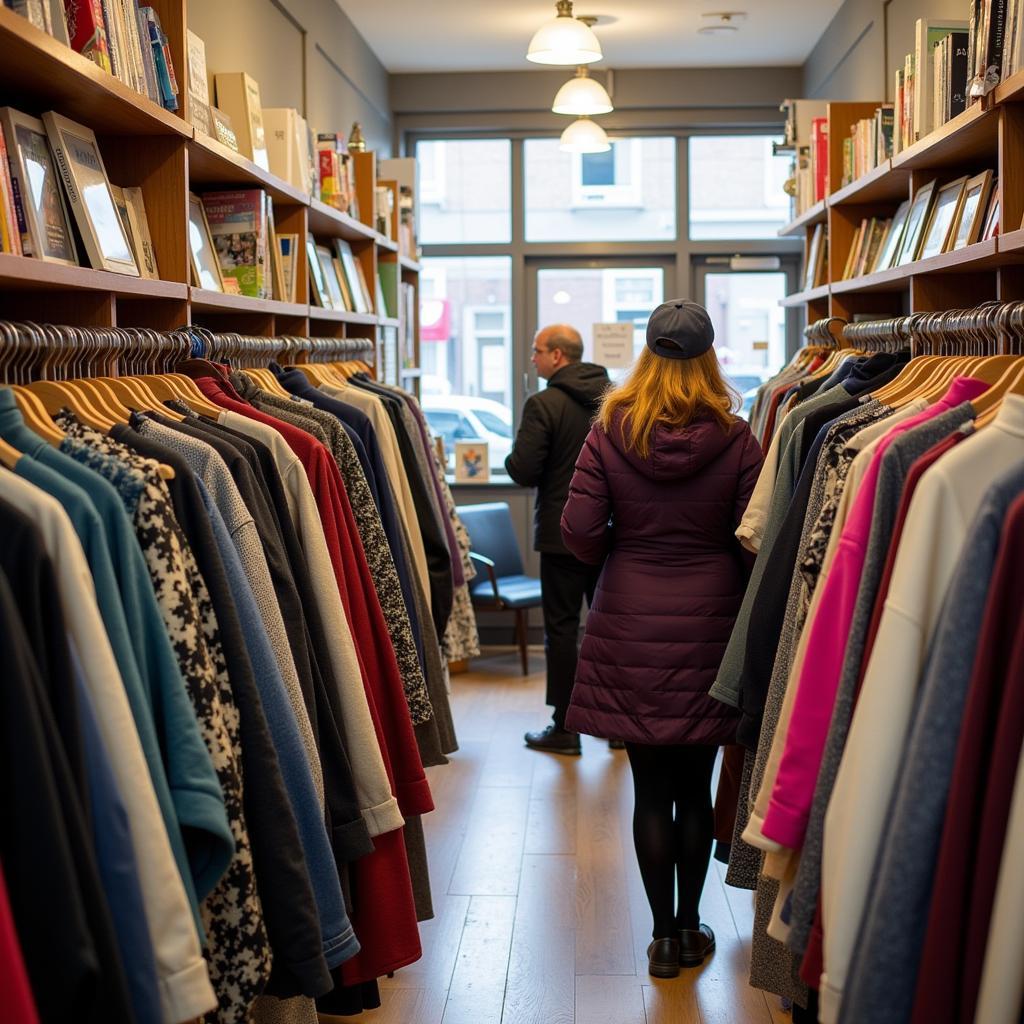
(481, 35)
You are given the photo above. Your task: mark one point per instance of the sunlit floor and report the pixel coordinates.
(540, 910)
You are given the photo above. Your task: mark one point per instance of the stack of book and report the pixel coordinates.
(918, 108)
(949, 66)
(804, 135)
(334, 172)
(122, 37)
(869, 144)
(1013, 39)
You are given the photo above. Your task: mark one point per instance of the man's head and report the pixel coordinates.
(554, 347)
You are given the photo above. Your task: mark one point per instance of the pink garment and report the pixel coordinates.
(790, 805)
(15, 993)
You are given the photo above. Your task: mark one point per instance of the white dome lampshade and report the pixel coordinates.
(564, 40)
(584, 136)
(582, 96)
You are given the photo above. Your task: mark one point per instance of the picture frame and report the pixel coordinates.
(891, 245)
(472, 462)
(991, 229)
(352, 268)
(973, 210)
(203, 255)
(87, 186)
(916, 221)
(365, 286)
(145, 251)
(317, 285)
(813, 257)
(334, 296)
(47, 233)
(943, 218)
(346, 294)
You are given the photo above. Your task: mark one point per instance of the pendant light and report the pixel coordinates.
(564, 40)
(584, 136)
(582, 96)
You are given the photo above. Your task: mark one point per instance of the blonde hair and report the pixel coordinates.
(669, 391)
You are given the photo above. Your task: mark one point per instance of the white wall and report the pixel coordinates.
(304, 54)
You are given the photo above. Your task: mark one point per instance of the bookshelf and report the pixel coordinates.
(986, 136)
(146, 146)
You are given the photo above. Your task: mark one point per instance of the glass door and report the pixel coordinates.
(588, 292)
(751, 335)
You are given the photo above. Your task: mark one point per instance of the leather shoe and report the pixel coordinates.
(616, 744)
(663, 958)
(553, 740)
(694, 945)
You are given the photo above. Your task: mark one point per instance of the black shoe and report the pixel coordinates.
(695, 945)
(616, 744)
(663, 958)
(553, 740)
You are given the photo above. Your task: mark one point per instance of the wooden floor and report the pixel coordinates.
(540, 911)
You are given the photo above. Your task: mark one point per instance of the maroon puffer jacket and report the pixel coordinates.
(672, 583)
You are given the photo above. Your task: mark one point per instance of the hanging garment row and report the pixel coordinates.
(877, 662)
(231, 583)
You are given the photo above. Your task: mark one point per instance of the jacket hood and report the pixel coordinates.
(679, 452)
(583, 382)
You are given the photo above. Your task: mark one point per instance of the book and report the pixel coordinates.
(287, 248)
(224, 131)
(162, 63)
(989, 41)
(897, 126)
(286, 146)
(148, 62)
(819, 157)
(237, 220)
(31, 10)
(909, 86)
(238, 95)
(198, 84)
(852, 255)
(955, 98)
(145, 253)
(88, 32)
(928, 32)
(10, 235)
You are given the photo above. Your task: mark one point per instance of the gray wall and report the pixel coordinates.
(304, 54)
(859, 52)
(644, 99)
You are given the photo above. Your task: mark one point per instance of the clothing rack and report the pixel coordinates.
(828, 331)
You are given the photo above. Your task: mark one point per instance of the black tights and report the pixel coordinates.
(673, 848)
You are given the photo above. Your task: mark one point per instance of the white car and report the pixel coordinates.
(465, 418)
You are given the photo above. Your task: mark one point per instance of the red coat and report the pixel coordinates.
(672, 583)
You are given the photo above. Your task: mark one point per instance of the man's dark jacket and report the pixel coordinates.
(555, 424)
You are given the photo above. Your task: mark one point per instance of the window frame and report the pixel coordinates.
(615, 196)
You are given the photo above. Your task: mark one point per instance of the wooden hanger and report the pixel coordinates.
(57, 395)
(184, 389)
(986, 406)
(267, 381)
(35, 415)
(9, 455)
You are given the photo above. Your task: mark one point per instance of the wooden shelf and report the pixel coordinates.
(35, 64)
(882, 185)
(341, 316)
(390, 321)
(802, 298)
(386, 243)
(24, 272)
(1012, 243)
(410, 265)
(326, 220)
(814, 215)
(895, 279)
(211, 163)
(970, 138)
(1012, 90)
(972, 258)
(224, 302)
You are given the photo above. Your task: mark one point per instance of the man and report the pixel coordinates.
(554, 426)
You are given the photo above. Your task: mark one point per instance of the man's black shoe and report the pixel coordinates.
(553, 740)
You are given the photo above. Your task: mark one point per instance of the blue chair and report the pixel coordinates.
(500, 583)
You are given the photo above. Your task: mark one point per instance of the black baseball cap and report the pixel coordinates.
(680, 329)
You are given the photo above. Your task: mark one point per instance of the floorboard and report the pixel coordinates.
(541, 916)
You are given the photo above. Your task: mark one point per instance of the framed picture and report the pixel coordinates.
(145, 253)
(205, 264)
(973, 210)
(916, 220)
(352, 268)
(87, 186)
(813, 257)
(334, 296)
(317, 285)
(367, 294)
(891, 245)
(346, 295)
(47, 231)
(472, 462)
(991, 228)
(943, 219)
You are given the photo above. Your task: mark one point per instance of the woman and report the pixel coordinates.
(659, 488)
